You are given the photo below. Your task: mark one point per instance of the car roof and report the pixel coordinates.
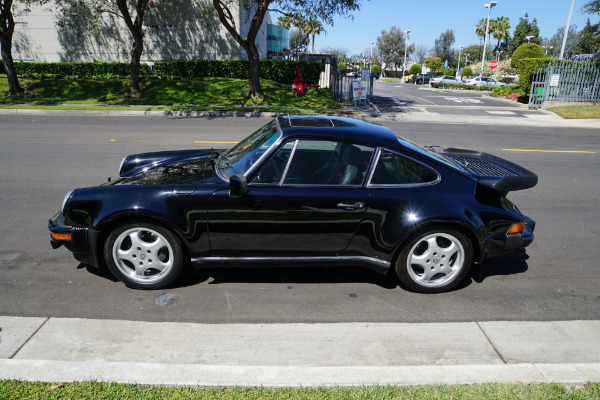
(324, 126)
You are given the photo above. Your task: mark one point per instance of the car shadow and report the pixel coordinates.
(101, 272)
(296, 275)
(505, 265)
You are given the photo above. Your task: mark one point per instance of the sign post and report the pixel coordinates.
(359, 90)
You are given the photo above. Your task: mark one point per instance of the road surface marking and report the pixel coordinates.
(209, 142)
(554, 151)
(404, 94)
(501, 112)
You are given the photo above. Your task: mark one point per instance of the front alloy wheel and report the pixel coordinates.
(434, 261)
(144, 256)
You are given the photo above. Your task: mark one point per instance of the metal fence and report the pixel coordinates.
(342, 89)
(565, 82)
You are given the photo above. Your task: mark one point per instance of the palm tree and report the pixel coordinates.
(480, 29)
(501, 29)
(313, 27)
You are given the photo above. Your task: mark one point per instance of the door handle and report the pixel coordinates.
(351, 206)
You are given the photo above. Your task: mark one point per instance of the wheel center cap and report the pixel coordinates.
(436, 260)
(142, 256)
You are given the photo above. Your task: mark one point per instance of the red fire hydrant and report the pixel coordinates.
(298, 85)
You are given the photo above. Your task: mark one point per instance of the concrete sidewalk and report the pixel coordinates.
(65, 350)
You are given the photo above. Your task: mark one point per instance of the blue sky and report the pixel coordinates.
(428, 19)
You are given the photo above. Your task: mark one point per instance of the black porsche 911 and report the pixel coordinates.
(301, 191)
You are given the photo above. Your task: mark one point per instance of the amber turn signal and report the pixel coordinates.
(61, 236)
(517, 228)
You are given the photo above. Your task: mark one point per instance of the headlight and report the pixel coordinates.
(64, 203)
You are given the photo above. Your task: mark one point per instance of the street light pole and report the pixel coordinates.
(489, 6)
(405, 48)
(372, 55)
(564, 43)
(529, 38)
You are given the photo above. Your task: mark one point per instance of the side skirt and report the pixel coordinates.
(376, 264)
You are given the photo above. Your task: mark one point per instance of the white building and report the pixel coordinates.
(183, 30)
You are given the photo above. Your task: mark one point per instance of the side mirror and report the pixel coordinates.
(238, 186)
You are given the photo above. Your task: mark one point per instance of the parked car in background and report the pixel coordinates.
(485, 81)
(307, 190)
(420, 78)
(445, 79)
(353, 74)
(407, 78)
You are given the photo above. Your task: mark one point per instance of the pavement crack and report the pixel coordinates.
(28, 339)
(491, 343)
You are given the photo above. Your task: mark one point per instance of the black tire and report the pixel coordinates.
(434, 261)
(144, 255)
(420, 81)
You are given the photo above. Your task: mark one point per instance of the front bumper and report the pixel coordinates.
(82, 243)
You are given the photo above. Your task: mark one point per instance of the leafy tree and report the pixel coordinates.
(8, 10)
(89, 13)
(471, 55)
(466, 72)
(257, 9)
(299, 42)
(526, 50)
(443, 46)
(553, 45)
(592, 7)
(376, 69)
(434, 64)
(415, 69)
(421, 53)
(523, 29)
(391, 46)
(589, 38)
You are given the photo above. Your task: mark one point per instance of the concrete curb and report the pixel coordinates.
(278, 355)
(277, 376)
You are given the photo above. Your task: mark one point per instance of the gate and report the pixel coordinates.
(565, 82)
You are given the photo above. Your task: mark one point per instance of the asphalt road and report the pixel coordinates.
(393, 97)
(42, 157)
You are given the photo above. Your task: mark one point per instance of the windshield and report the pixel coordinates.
(243, 155)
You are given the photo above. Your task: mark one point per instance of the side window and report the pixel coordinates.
(394, 169)
(273, 170)
(324, 162)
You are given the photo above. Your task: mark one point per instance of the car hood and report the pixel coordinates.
(168, 168)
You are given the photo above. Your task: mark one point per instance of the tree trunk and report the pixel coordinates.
(136, 55)
(7, 27)
(13, 81)
(255, 90)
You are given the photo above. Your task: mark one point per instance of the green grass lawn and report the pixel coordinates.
(577, 112)
(101, 390)
(196, 94)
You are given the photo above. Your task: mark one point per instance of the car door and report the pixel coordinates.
(306, 200)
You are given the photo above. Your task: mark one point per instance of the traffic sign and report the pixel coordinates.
(493, 64)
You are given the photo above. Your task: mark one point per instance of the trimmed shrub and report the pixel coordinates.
(376, 69)
(76, 70)
(526, 50)
(275, 70)
(415, 69)
(466, 72)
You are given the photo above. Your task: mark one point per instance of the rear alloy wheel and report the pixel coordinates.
(434, 261)
(144, 256)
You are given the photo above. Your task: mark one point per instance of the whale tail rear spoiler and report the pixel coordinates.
(493, 172)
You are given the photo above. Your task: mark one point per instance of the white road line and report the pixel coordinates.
(501, 112)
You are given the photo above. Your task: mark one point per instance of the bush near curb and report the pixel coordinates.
(459, 86)
(275, 70)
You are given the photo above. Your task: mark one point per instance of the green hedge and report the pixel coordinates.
(276, 70)
(75, 70)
